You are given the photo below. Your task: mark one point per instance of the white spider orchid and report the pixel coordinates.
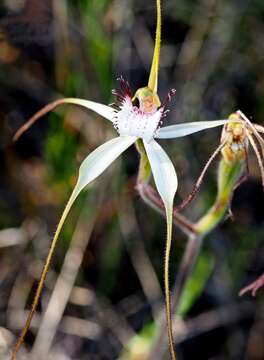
(132, 123)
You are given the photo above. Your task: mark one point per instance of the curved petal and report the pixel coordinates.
(101, 158)
(166, 181)
(105, 111)
(163, 172)
(95, 163)
(180, 130)
(92, 167)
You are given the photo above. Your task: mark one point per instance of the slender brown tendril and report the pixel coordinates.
(49, 107)
(256, 150)
(259, 128)
(199, 181)
(255, 132)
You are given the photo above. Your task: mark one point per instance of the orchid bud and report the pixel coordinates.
(235, 136)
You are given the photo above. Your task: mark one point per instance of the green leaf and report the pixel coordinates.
(196, 283)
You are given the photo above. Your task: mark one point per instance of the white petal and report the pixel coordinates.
(180, 130)
(101, 158)
(95, 163)
(163, 172)
(106, 111)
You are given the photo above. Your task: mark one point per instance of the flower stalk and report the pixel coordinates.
(228, 176)
(144, 176)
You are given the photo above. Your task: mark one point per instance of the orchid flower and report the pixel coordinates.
(132, 123)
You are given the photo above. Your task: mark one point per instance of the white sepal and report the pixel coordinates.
(100, 159)
(180, 130)
(93, 166)
(163, 172)
(105, 111)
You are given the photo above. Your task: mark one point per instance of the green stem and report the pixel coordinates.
(228, 175)
(144, 171)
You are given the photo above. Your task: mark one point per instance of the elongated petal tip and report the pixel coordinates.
(180, 130)
(105, 111)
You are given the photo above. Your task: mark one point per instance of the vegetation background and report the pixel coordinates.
(105, 284)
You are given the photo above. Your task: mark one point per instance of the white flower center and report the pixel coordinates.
(129, 120)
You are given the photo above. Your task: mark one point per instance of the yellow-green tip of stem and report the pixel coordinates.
(153, 76)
